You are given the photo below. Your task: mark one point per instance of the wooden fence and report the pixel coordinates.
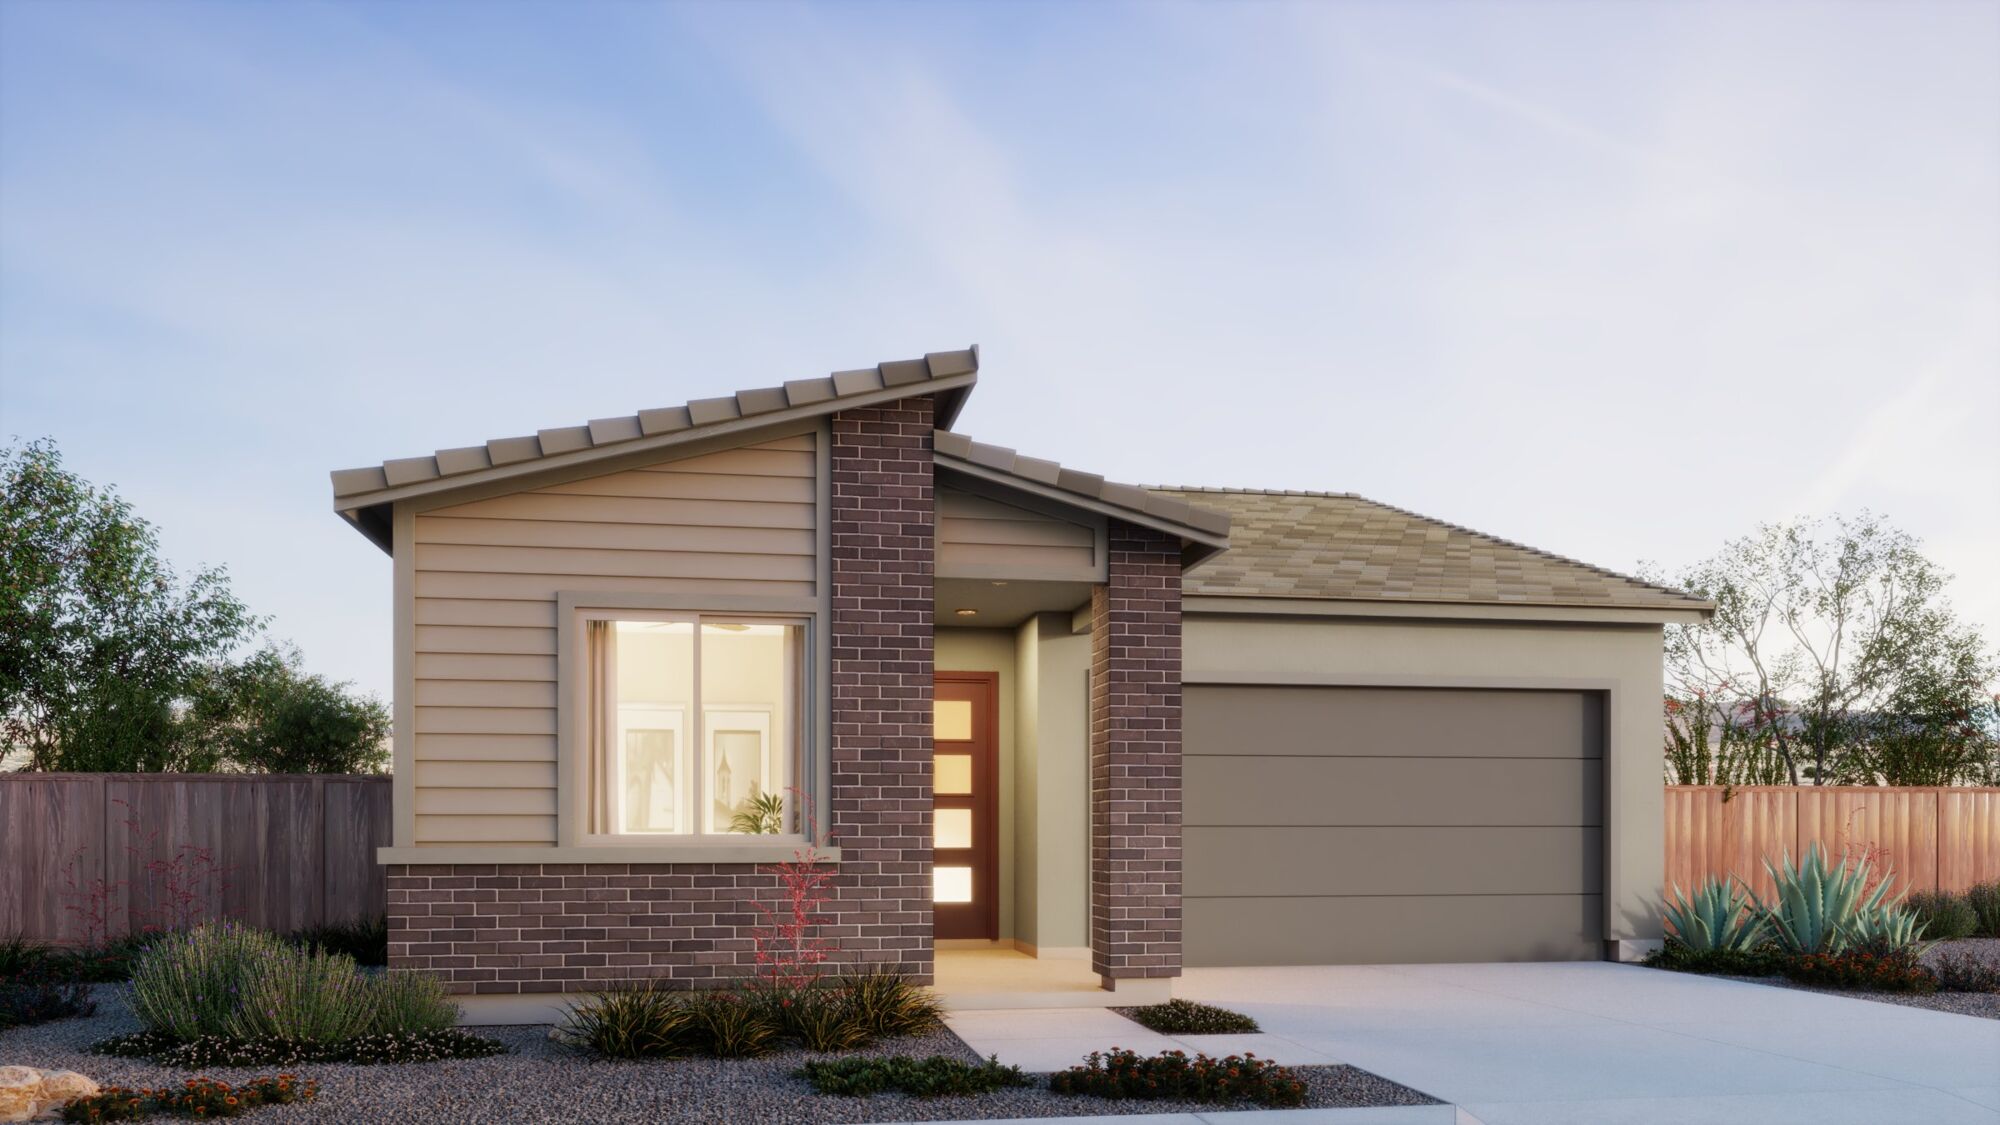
(85, 851)
(1933, 839)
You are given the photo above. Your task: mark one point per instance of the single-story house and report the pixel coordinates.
(1017, 707)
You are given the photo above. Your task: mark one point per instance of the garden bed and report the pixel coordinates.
(540, 1080)
(1983, 1005)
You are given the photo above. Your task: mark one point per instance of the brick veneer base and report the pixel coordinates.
(1135, 759)
(511, 928)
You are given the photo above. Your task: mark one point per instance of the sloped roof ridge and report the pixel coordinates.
(797, 397)
(1551, 556)
(1050, 474)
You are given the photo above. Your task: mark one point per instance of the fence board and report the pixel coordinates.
(1931, 838)
(288, 851)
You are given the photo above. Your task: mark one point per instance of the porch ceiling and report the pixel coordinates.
(1003, 605)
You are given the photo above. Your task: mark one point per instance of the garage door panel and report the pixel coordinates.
(1390, 930)
(1288, 862)
(1392, 791)
(1367, 722)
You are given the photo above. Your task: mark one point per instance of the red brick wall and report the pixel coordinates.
(568, 927)
(1135, 759)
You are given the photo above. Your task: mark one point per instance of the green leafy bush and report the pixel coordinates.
(364, 939)
(199, 1097)
(301, 994)
(1945, 916)
(1895, 972)
(1119, 1073)
(1720, 915)
(190, 984)
(1765, 960)
(1819, 902)
(1956, 972)
(933, 1077)
(406, 1003)
(820, 1017)
(1984, 898)
(633, 1021)
(732, 1026)
(887, 1005)
(1185, 1017)
(30, 999)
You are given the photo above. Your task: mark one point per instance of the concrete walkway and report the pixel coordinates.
(1550, 1044)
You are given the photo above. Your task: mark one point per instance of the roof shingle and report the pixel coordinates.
(1340, 545)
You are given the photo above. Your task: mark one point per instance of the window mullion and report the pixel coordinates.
(698, 744)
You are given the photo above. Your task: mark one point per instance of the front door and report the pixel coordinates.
(965, 806)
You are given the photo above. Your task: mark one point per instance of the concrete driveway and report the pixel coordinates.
(1548, 1044)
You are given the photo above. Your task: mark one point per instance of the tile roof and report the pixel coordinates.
(800, 397)
(1204, 525)
(1340, 545)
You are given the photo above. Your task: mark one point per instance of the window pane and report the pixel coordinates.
(749, 687)
(954, 828)
(954, 720)
(654, 690)
(954, 774)
(951, 884)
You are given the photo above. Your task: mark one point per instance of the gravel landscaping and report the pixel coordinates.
(542, 1081)
(1984, 1005)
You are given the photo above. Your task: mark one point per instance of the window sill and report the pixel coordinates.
(772, 852)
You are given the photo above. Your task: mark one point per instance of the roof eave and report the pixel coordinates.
(747, 427)
(1197, 544)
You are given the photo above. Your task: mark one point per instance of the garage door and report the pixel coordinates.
(1340, 825)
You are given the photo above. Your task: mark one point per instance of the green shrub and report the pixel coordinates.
(1173, 1075)
(1956, 972)
(1819, 902)
(30, 999)
(887, 1005)
(366, 939)
(732, 1026)
(1984, 898)
(200, 1097)
(404, 1003)
(1720, 915)
(1185, 1017)
(820, 1017)
(632, 1021)
(20, 957)
(1945, 916)
(1894, 972)
(190, 984)
(1766, 960)
(933, 1077)
(301, 994)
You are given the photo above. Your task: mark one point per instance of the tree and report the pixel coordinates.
(1833, 657)
(99, 639)
(267, 715)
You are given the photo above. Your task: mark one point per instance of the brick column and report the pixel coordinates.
(1135, 759)
(883, 544)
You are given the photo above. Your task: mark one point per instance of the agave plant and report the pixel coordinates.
(1887, 929)
(1718, 916)
(1818, 901)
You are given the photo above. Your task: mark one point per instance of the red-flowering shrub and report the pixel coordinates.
(1877, 972)
(1172, 1075)
(198, 1097)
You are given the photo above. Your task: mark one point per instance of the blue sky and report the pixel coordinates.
(1616, 280)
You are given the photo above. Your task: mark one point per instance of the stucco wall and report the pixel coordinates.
(1622, 660)
(1052, 781)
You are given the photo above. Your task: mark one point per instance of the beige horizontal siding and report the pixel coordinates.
(731, 523)
(975, 534)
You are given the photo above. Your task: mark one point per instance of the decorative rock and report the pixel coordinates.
(19, 1087)
(58, 1087)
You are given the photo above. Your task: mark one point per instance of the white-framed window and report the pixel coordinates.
(694, 724)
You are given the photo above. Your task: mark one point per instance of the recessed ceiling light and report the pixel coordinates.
(966, 612)
(998, 582)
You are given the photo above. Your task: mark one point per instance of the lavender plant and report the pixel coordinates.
(303, 995)
(190, 984)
